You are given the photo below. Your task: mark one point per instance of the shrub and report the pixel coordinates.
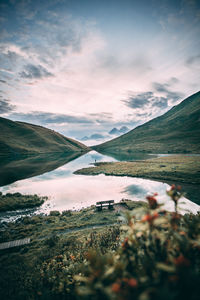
(159, 258)
(54, 213)
(67, 213)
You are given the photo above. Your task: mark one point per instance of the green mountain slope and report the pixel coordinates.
(178, 130)
(18, 138)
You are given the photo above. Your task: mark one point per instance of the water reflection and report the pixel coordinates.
(68, 191)
(128, 156)
(29, 166)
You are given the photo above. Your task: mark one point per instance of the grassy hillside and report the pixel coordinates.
(178, 131)
(23, 138)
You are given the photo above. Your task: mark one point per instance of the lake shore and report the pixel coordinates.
(176, 168)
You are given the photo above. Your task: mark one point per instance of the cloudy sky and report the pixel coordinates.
(85, 66)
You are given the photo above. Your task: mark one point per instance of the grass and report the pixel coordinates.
(51, 240)
(39, 227)
(26, 271)
(19, 138)
(177, 168)
(15, 201)
(177, 131)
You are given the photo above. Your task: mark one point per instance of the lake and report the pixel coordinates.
(69, 191)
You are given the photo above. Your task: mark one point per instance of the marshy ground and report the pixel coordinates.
(176, 168)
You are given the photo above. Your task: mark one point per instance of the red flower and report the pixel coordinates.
(150, 218)
(152, 201)
(125, 242)
(173, 187)
(181, 261)
(132, 282)
(116, 287)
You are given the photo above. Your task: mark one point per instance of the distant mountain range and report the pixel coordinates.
(177, 131)
(114, 131)
(23, 138)
(94, 136)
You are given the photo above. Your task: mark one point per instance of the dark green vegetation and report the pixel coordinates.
(18, 201)
(19, 138)
(19, 168)
(177, 131)
(155, 255)
(41, 227)
(34, 271)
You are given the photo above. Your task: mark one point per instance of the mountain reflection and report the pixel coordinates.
(29, 166)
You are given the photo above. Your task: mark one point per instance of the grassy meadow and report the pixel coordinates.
(177, 168)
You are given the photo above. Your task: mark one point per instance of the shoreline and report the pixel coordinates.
(12, 202)
(182, 169)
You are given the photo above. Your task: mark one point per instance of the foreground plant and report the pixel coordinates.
(159, 257)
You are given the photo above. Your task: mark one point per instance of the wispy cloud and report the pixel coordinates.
(170, 95)
(6, 106)
(34, 72)
(145, 101)
(47, 118)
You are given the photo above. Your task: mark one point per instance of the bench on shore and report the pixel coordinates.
(107, 203)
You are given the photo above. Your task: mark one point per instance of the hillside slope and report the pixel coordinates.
(18, 138)
(178, 131)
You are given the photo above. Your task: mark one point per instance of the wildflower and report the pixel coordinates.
(182, 233)
(132, 282)
(150, 218)
(173, 187)
(181, 261)
(175, 194)
(116, 287)
(152, 201)
(72, 257)
(125, 242)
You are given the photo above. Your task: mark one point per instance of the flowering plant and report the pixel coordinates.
(159, 257)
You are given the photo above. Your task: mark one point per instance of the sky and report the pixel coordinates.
(82, 67)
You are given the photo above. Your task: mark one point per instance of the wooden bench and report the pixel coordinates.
(107, 203)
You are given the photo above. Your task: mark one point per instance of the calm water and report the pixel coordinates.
(68, 191)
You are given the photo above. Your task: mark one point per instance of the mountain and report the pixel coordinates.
(176, 131)
(113, 131)
(123, 129)
(18, 138)
(94, 136)
(116, 131)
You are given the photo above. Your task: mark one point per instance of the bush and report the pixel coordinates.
(54, 213)
(67, 213)
(159, 258)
